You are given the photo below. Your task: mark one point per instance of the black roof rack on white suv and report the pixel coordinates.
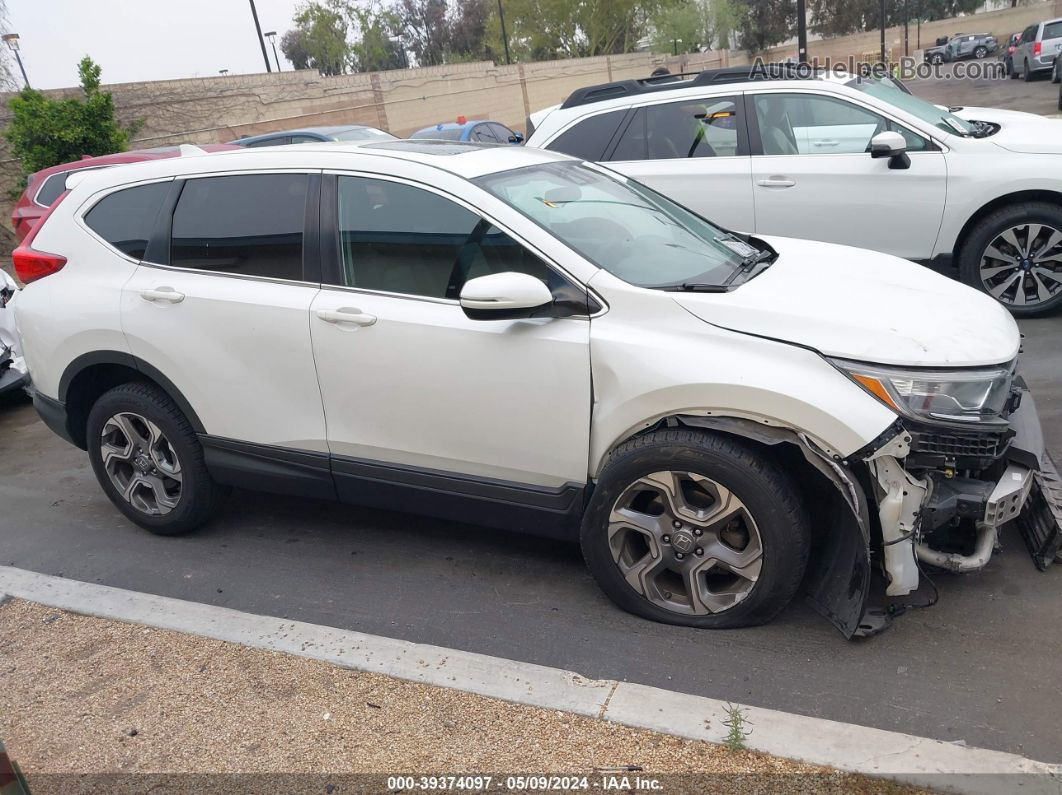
(730, 74)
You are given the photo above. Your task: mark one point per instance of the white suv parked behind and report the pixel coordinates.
(515, 338)
(858, 161)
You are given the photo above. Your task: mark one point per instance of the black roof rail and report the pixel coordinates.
(730, 74)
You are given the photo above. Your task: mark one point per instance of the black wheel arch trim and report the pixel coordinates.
(95, 358)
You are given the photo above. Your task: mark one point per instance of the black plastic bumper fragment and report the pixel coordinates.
(1040, 523)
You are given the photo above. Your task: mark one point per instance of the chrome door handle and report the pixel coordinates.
(776, 182)
(166, 295)
(346, 315)
(826, 142)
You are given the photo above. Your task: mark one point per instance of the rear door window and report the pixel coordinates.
(248, 225)
(691, 128)
(126, 218)
(588, 138)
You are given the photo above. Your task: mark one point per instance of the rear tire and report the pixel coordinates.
(1056, 71)
(980, 53)
(148, 460)
(728, 547)
(1015, 217)
(1026, 74)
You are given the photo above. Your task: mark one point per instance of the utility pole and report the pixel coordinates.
(802, 32)
(906, 35)
(505, 36)
(261, 41)
(883, 32)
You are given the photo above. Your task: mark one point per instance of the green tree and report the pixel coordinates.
(680, 27)
(45, 132)
(763, 23)
(468, 31)
(852, 16)
(426, 30)
(320, 38)
(376, 48)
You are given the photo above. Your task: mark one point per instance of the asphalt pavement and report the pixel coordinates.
(982, 666)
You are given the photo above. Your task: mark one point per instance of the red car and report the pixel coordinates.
(48, 184)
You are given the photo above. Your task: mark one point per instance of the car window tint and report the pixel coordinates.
(589, 137)
(1052, 30)
(305, 139)
(279, 141)
(396, 238)
(248, 225)
(54, 186)
(501, 132)
(126, 218)
(445, 134)
(691, 128)
(484, 134)
(805, 124)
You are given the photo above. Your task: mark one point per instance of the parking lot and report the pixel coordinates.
(980, 667)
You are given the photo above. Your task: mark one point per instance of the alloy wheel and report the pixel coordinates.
(686, 543)
(141, 463)
(1022, 266)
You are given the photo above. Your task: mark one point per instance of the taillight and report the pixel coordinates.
(1037, 48)
(31, 264)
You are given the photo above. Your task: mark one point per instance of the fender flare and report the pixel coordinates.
(94, 358)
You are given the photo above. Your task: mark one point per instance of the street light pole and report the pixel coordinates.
(261, 41)
(505, 36)
(11, 39)
(272, 36)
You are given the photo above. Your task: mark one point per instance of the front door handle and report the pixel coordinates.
(164, 295)
(826, 142)
(346, 314)
(776, 182)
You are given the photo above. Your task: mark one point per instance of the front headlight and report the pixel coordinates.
(975, 395)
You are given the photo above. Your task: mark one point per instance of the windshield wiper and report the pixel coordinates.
(696, 287)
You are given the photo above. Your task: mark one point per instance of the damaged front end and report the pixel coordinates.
(942, 491)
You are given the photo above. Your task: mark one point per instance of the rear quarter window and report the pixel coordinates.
(126, 218)
(1053, 30)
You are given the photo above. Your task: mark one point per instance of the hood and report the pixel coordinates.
(863, 305)
(1018, 131)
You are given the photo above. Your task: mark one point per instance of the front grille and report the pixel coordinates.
(956, 445)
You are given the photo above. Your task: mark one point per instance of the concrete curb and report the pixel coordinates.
(858, 749)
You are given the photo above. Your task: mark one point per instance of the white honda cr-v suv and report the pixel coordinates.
(519, 339)
(852, 160)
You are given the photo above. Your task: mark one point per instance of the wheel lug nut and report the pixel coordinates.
(698, 551)
(679, 555)
(666, 539)
(676, 524)
(697, 531)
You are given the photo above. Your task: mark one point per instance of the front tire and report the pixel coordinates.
(980, 53)
(149, 461)
(696, 529)
(1015, 255)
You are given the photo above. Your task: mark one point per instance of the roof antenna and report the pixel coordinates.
(191, 150)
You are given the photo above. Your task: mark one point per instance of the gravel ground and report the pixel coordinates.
(95, 705)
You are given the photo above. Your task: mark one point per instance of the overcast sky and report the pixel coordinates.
(143, 39)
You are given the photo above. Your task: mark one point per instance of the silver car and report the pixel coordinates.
(1037, 49)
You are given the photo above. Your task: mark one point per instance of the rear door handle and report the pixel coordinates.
(776, 182)
(164, 295)
(346, 315)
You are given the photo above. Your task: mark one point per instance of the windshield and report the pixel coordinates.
(621, 226)
(926, 111)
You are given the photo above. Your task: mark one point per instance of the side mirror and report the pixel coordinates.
(516, 138)
(893, 146)
(504, 296)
